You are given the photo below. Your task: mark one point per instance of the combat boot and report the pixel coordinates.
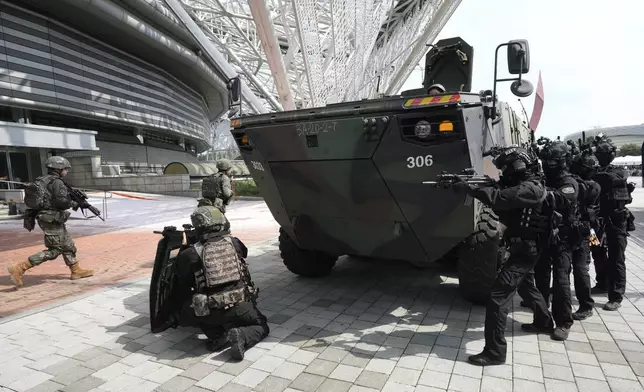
(237, 343)
(17, 270)
(79, 273)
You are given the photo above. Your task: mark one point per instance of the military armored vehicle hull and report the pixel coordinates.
(347, 179)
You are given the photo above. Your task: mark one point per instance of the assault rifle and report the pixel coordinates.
(80, 197)
(446, 180)
(174, 237)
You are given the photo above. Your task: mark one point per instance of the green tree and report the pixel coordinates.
(629, 149)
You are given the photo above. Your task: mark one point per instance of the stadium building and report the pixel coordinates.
(629, 134)
(119, 87)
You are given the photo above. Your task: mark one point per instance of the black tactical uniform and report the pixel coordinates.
(215, 288)
(583, 168)
(517, 200)
(557, 259)
(613, 199)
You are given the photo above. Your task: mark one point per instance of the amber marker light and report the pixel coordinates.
(446, 126)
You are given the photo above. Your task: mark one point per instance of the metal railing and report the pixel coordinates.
(17, 186)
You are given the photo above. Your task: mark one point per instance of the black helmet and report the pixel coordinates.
(555, 156)
(605, 150)
(584, 165)
(515, 162)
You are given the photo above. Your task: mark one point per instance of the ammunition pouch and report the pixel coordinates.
(200, 305)
(621, 194)
(228, 299)
(29, 222)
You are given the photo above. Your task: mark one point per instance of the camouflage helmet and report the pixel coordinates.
(224, 164)
(208, 218)
(57, 162)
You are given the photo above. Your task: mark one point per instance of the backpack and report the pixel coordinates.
(37, 194)
(210, 187)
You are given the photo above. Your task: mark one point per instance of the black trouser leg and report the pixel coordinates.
(524, 288)
(580, 260)
(600, 261)
(562, 296)
(523, 257)
(616, 239)
(250, 321)
(542, 276)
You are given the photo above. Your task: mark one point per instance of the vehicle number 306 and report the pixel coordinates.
(257, 166)
(420, 161)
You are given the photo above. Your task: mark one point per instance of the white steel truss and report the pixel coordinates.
(308, 53)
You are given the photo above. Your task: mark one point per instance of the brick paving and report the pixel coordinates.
(367, 327)
(115, 254)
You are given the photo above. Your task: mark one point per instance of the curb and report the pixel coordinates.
(131, 196)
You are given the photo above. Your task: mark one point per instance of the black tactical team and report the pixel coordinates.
(518, 199)
(610, 263)
(216, 291)
(583, 166)
(557, 256)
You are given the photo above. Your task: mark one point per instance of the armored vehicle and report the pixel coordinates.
(347, 178)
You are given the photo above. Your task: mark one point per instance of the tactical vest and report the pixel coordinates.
(531, 222)
(222, 267)
(617, 194)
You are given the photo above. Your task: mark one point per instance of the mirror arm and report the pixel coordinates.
(496, 62)
(496, 59)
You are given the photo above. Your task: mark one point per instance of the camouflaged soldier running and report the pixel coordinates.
(51, 218)
(217, 188)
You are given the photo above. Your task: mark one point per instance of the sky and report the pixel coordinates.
(590, 54)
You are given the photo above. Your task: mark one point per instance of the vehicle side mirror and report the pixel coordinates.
(234, 91)
(518, 57)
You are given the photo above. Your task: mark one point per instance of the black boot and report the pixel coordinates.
(533, 328)
(218, 343)
(612, 306)
(236, 340)
(560, 334)
(582, 314)
(485, 359)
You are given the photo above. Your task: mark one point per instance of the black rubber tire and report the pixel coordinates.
(480, 258)
(308, 263)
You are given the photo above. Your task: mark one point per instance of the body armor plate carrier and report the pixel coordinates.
(222, 266)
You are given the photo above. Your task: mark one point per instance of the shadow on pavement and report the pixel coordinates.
(364, 310)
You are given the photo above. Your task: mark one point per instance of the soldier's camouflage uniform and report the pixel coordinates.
(215, 289)
(218, 187)
(51, 219)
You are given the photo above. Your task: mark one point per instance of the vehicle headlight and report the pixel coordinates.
(422, 129)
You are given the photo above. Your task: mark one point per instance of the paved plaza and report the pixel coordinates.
(367, 327)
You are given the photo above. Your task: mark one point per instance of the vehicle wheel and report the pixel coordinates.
(309, 263)
(480, 258)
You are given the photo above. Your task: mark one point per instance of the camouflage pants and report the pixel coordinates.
(58, 241)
